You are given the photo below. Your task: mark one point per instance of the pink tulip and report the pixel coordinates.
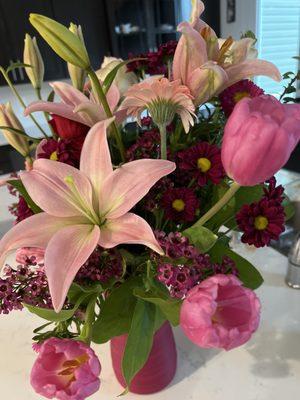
(220, 313)
(259, 137)
(78, 107)
(65, 369)
(206, 67)
(84, 208)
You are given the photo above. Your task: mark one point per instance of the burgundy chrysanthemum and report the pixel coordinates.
(146, 146)
(180, 204)
(261, 222)
(274, 193)
(203, 162)
(66, 128)
(20, 210)
(234, 93)
(64, 150)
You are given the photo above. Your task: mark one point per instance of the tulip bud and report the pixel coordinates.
(259, 137)
(32, 56)
(64, 42)
(9, 119)
(77, 74)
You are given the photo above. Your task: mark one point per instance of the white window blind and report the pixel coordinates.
(278, 37)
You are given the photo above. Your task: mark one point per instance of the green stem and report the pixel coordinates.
(86, 333)
(96, 85)
(163, 142)
(219, 205)
(16, 93)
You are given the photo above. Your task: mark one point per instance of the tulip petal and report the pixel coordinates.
(46, 185)
(69, 95)
(128, 229)
(60, 109)
(95, 159)
(35, 231)
(128, 184)
(251, 68)
(66, 252)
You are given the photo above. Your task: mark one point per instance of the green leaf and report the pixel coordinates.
(289, 208)
(51, 315)
(51, 96)
(139, 341)
(17, 65)
(169, 307)
(201, 237)
(248, 274)
(76, 291)
(17, 183)
(116, 312)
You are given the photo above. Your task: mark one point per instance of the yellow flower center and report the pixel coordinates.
(239, 96)
(69, 367)
(178, 205)
(261, 222)
(203, 164)
(53, 156)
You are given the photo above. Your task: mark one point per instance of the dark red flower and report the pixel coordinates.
(203, 162)
(261, 222)
(64, 150)
(146, 146)
(22, 211)
(66, 128)
(180, 204)
(234, 93)
(274, 193)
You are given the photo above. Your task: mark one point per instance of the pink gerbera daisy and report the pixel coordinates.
(236, 92)
(180, 204)
(204, 163)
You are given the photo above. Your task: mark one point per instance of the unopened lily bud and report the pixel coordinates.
(64, 42)
(32, 56)
(77, 74)
(9, 119)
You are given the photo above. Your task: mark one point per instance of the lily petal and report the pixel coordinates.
(251, 68)
(90, 112)
(46, 185)
(35, 231)
(95, 159)
(128, 184)
(63, 110)
(69, 95)
(113, 96)
(66, 252)
(129, 229)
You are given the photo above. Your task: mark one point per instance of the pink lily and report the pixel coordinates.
(199, 56)
(84, 208)
(77, 106)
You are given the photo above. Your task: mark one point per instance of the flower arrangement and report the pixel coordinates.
(119, 226)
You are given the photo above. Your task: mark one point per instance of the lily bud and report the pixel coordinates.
(32, 56)
(77, 74)
(64, 42)
(9, 119)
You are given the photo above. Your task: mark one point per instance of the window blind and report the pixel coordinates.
(278, 37)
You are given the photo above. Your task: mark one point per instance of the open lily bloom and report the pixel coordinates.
(84, 208)
(207, 67)
(78, 107)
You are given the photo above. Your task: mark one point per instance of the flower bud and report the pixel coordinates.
(9, 119)
(64, 42)
(32, 56)
(77, 74)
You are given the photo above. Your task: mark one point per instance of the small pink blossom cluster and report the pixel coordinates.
(192, 266)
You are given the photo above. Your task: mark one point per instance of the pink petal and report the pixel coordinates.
(34, 231)
(47, 187)
(91, 113)
(251, 68)
(66, 252)
(128, 184)
(240, 49)
(129, 229)
(68, 93)
(113, 96)
(60, 109)
(95, 159)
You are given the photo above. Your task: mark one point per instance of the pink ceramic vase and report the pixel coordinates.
(160, 368)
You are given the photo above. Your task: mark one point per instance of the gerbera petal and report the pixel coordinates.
(66, 252)
(95, 159)
(47, 186)
(34, 231)
(63, 110)
(129, 229)
(128, 184)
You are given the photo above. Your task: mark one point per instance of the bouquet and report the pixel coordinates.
(125, 207)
